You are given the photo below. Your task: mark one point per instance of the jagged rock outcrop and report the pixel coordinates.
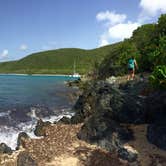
(100, 96)
(39, 130)
(103, 107)
(21, 139)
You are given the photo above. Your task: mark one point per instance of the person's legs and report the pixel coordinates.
(130, 72)
(133, 74)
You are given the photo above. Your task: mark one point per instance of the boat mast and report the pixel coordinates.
(74, 68)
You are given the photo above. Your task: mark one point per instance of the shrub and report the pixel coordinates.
(158, 77)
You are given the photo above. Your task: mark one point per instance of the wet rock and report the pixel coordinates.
(40, 128)
(125, 154)
(74, 83)
(5, 149)
(64, 120)
(156, 134)
(24, 159)
(21, 139)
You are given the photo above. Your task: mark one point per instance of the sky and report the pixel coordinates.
(28, 26)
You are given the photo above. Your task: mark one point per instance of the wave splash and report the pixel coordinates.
(9, 135)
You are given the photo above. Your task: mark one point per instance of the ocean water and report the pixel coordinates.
(25, 98)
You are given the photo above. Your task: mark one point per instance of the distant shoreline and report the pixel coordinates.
(65, 75)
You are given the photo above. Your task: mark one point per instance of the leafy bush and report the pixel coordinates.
(158, 77)
(115, 62)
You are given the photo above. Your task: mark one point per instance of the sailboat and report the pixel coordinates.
(75, 75)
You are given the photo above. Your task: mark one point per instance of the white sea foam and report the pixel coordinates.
(3, 114)
(9, 135)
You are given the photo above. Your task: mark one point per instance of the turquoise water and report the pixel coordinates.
(25, 99)
(19, 94)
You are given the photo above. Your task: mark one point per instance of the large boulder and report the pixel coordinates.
(156, 115)
(104, 131)
(156, 134)
(100, 96)
(40, 128)
(100, 129)
(5, 149)
(156, 108)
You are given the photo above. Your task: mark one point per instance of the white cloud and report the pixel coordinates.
(122, 31)
(104, 40)
(4, 53)
(151, 8)
(112, 17)
(23, 47)
(118, 27)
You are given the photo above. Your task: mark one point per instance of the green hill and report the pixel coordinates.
(60, 61)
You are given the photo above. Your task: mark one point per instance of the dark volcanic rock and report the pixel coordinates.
(39, 130)
(132, 110)
(156, 115)
(156, 108)
(64, 120)
(108, 134)
(104, 131)
(101, 96)
(5, 149)
(24, 159)
(127, 155)
(156, 135)
(21, 138)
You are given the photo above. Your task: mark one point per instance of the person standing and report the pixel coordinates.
(132, 65)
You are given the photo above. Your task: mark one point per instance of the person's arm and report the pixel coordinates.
(136, 64)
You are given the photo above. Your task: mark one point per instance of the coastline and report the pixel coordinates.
(93, 137)
(63, 75)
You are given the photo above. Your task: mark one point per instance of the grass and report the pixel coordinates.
(60, 61)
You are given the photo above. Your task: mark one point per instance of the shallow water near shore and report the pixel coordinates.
(25, 99)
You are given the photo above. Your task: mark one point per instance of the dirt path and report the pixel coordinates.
(149, 154)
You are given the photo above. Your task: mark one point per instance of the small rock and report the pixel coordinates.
(21, 138)
(39, 130)
(5, 149)
(128, 155)
(65, 120)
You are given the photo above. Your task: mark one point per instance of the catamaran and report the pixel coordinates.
(75, 75)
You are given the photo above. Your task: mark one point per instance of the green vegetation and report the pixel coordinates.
(115, 62)
(59, 61)
(158, 77)
(147, 45)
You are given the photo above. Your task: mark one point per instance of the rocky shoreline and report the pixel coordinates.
(122, 122)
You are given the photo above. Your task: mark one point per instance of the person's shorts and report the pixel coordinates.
(130, 69)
